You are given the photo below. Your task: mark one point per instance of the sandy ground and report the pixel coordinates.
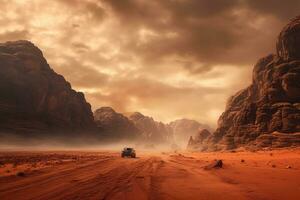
(160, 175)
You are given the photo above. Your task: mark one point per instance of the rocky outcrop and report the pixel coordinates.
(33, 98)
(115, 126)
(184, 128)
(152, 131)
(198, 141)
(267, 113)
(288, 44)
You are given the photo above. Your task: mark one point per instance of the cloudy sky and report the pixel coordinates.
(165, 58)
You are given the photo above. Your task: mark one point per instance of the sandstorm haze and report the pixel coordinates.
(167, 59)
(152, 99)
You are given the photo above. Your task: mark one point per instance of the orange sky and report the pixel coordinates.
(165, 58)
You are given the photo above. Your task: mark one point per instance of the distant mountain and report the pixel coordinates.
(267, 113)
(34, 98)
(115, 126)
(151, 130)
(184, 128)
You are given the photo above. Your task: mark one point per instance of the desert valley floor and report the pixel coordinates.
(258, 175)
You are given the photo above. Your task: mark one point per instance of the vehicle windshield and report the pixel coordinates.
(128, 149)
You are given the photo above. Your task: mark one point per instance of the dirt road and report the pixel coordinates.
(153, 176)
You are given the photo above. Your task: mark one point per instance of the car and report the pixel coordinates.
(128, 152)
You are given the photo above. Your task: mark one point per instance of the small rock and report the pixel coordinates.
(22, 174)
(273, 166)
(242, 160)
(288, 167)
(216, 164)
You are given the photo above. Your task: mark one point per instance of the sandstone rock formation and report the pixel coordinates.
(288, 43)
(267, 113)
(198, 141)
(33, 98)
(115, 126)
(184, 128)
(152, 131)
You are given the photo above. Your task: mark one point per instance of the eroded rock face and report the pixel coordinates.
(198, 142)
(270, 104)
(35, 98)
(151, 130)
(288, 45)
(115, 125)
(277, 139)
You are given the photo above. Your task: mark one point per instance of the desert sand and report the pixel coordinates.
(152, 175)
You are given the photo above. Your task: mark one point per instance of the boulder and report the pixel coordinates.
(216, 164)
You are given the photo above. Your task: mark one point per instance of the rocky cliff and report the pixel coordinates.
(197, 142)
(33, 98)
(152, 131)
(115, 126)
(267, 113)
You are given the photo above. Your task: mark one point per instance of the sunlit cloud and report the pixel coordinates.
(168, 59)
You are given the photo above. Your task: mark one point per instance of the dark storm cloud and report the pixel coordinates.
(167, 58)
(278, 8)
(199, 26)
(209, 31)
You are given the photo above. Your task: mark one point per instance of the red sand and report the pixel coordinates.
(105, 175)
